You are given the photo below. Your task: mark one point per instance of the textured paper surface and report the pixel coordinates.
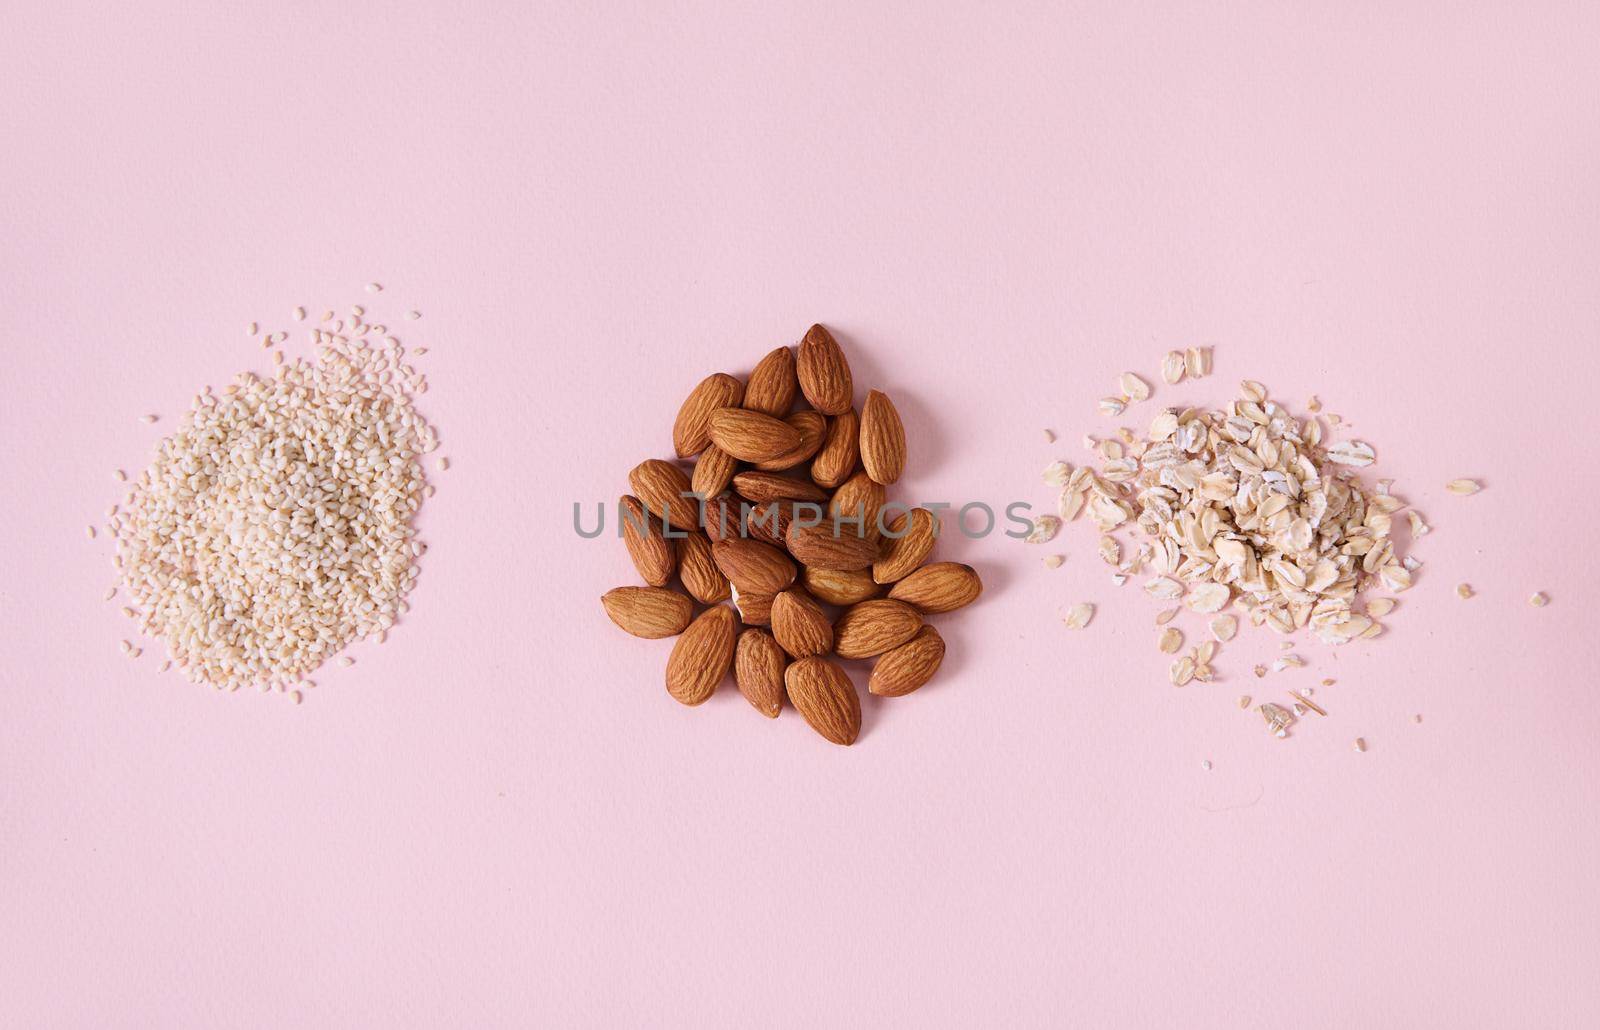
(498, 818)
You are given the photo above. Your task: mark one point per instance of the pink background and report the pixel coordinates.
(499, 818)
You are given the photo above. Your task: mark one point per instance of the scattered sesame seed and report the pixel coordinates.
(1361, 743)
(299, 314)
(443, 464)
(166, 665)
(1206, 765)
(89, 531)
(1244, 700)
(254, 328)
(418, 351)
(1417, 718)
(119, 475)
(1539, 600)
(413, 315)
(1464, 591)
(126, 647)
(148, 419)
(110, 593)
(298, 697)
(136, 652)
(374, 287)
(347, 661)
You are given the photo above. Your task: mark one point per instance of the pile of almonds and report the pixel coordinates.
(807, 529)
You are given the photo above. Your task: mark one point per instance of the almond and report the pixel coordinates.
(754, 609)
(649, 612)
(883, 439)
(720, 518)
(799, 624)
(772, 385)
(651, 553)
(858, 503)
(662, 487)
(769, 486)
(873, 627)
(753, 566)
(713, 471)
(940, 587)
(701, 656)
(698, 571)
(769, 521)
(840, 588)
(907, 544)
(812, 427)
(836, 459)
(691, 431)
(822, 693)
(752, 436)
(823, 372)
(758, 664)
(830, 545)
(905, 668)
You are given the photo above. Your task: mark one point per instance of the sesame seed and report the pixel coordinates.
(110, 593)
(374, 287)
(443, 464)
(299, 314)
(1361, 744)
(298, 697)
(148, 419)
(89, 531)
(347, 661)
(127, 646)
(413, 315)
(252, 330)
(119, 475)
(1206, 765)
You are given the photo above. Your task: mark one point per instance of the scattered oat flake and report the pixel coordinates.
(1244, 700)
(1539, 600)
(1133, 387)
(1164, 588)
(1353, 453)
(1171, 640)
(1112, 406)
(1118, 579)
(1045, 527)
(1078, 615)
(1378, 607)
(1313, 404)
(1057, 473)
(1182, 671)
(1307, 702)
(1464, 591)
(1223, 627)
(1463, 487)
(1207, 598)
(1260, 671)
(1173, 366)
(1167, 615)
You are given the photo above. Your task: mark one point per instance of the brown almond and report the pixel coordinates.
(812, 427)
(713, 471)
(840, 588)
(836, 459)
(860, 498)
(822, 693)
(701, 656)
(758, 664)
(873, 627)
(752, 436)
(883, 439)
(903, 669)
(800, 625)
(823, 373)
(651, 553)
(772, 385)
(831, 545)
(649, 612)
(720, 518)
(906, 545)
(662, 485)
(691, 430)
(940, 587)
(698, 570)
(769, 521)
(754, 609)
(769, 486)
(753, 566)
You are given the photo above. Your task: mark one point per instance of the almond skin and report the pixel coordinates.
(823, 373)
(648, 612)
(754, 609)
(905, 668)
(873, 627)
(907, 544)
(701, 656)
(812, 427)
(713, 471)
(691, 430)
(652, 554)
(772, 385)
(769, 486)
(841, 588)
(799, 624)
(769, 522)
(862, 498)
(752, 436)
(940, 587)
(822, 693)
(721, 517)
(758, 664)
(883, 439)
(828, 545)
(698, 571)
(836, 459)
(753, 566)
(661, 485)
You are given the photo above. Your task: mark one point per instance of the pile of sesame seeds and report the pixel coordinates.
(273, 526)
